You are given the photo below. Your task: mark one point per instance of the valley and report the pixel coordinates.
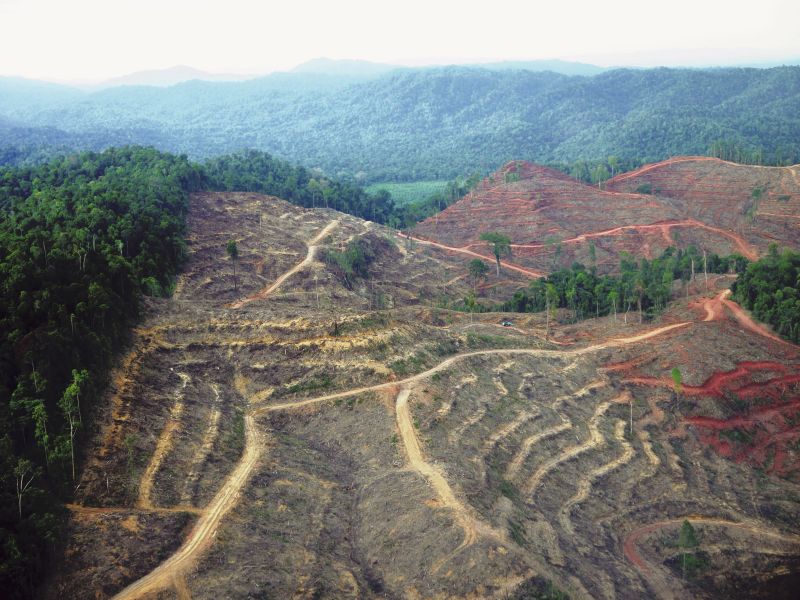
(285, 432)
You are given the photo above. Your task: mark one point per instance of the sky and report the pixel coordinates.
(85, 40)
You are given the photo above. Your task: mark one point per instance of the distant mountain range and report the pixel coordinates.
(384, 123)
(168, 77)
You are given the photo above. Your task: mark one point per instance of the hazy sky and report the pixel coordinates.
(86, 39)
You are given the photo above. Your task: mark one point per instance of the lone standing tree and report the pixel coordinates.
(233, 252)
(500, 245)
(477, 271)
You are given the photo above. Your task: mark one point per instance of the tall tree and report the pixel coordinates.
(499, 244)
(233, 252)
(477, 271)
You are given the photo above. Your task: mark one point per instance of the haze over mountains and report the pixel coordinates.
(355, 117)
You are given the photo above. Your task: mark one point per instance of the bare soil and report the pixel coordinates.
(306, 440)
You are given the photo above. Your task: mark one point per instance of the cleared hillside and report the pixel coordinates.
(300, 437)
(761, 202)
(553, 219)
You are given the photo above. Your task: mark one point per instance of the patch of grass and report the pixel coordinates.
(645, 188)
(444, 347)
(483, 340)
(538, 588)
(509, 490)
(406, 366)
(310, 385)
(517, 532)
(413, 191)
(740, 436)
(372, 321)
(233, 440)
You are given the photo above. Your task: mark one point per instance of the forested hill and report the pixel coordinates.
(430, 123)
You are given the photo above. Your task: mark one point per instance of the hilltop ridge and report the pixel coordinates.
(716, 205)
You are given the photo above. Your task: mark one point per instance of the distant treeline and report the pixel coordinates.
(643, 285)
(430, 123)
(260, 172)
(770, 288)
(255, 171)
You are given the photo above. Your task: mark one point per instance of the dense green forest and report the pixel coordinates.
(254, 171)
(645, 286)
(430, 123)
(81, 239)
(770, 288)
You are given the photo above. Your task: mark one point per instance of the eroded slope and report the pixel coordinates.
(314, 440)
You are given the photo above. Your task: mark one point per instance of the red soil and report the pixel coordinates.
(745, 320)
(724, 193)
(720, 384)
(765, 431)
(700, 200)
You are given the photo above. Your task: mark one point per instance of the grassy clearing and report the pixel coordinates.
(404, 193)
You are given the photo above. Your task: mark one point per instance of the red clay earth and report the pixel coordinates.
(718, 206)
(761, 202)
(762, 434)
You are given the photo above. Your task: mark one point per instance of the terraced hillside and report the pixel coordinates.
(763, 203)
(552, 219)
(304, 437)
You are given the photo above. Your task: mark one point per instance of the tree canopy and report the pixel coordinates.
(770, 287)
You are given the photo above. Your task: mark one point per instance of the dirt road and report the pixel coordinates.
(503, 263)
(310, 256)
(613, 343)
(747, 322)
(744, 247)
(201, 536)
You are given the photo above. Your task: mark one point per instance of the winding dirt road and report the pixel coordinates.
(172, 572)
(201, 536)
(310, 256)
(612, 343)
(744, 247)
(655, 574)
(747, 322)
(468, 252)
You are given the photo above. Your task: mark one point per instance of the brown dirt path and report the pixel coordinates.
(503, 263)
(747, 322)
(205, 529)
(631, 541)
(744, 247)
(80, 509)
(312, 253)
(612, 343)
(163, 446)
(655, 575)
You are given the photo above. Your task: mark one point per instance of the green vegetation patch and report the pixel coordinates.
(643, 285)
(769, 288)
(538, 588)
(409, 192)
(310, 385)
